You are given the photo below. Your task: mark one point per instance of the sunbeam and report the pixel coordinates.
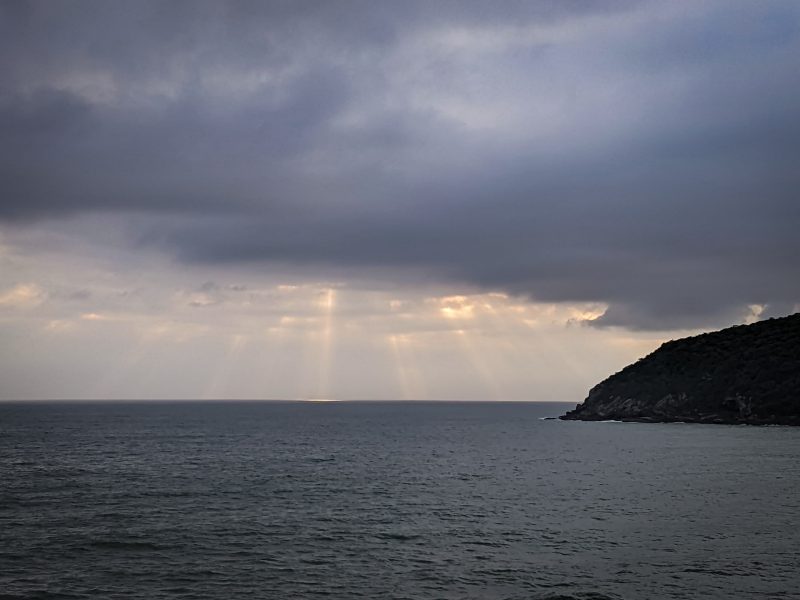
(218, 383)
(326, 334)
(406, 369)
(486, 375)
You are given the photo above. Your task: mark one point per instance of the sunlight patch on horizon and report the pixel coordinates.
(320, 400)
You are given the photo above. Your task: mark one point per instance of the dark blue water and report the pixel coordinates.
(390, 500)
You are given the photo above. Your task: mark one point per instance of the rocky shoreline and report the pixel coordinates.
(748, 374)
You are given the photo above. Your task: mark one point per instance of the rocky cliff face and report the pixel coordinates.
(744, 374)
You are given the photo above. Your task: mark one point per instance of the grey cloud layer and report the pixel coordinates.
(640, 154)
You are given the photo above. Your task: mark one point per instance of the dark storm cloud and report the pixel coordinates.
(631, 153)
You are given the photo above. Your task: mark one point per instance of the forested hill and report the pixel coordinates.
(742, 374)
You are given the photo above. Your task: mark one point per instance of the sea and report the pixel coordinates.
(390, 500)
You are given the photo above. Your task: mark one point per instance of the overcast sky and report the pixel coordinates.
(478, 200)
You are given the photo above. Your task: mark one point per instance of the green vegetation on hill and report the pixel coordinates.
(742, 374)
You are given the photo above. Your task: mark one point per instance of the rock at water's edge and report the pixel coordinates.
(744, 374)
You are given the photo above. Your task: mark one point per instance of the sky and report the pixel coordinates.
(387, 200)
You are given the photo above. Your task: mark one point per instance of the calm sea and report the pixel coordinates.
(390, 500)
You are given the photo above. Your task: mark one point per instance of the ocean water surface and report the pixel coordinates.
(390, 500)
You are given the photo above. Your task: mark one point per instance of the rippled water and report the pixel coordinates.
(390, 500)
